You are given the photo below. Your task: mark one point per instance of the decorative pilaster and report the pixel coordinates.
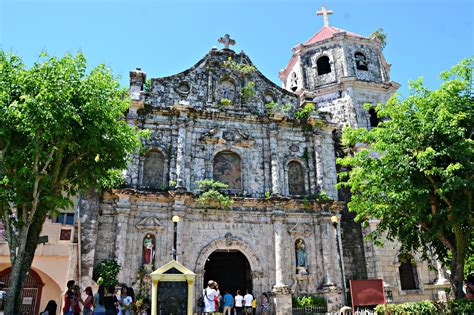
(121, 221)
(282, 293)
(181, 156)
(326, 175)
(328, 261)
(275, 165)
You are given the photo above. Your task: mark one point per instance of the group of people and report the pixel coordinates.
(105, 302)
(215, 303)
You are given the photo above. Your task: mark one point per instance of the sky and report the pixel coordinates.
(165, 37)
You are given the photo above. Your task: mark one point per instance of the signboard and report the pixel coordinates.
(27, 300)
(367, 292)
(172, 298)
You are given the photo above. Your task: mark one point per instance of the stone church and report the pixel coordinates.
(288, 231)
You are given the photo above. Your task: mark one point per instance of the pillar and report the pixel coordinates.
(328, 261)
(282, 293)
(275, 165)
(181, 156)
(154, 296)
(121, 221)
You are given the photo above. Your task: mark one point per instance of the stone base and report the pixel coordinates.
(333, 295)
(282, 300)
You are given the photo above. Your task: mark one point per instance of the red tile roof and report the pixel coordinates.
(327, 32)
(324, 33)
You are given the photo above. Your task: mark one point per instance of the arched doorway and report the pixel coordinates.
(31, 293)
(231, 269)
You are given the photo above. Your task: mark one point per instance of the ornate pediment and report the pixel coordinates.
(149, 223)
(236, 137)
(300, 230)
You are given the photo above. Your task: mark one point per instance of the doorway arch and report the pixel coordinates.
(231, 270)
(31, 293)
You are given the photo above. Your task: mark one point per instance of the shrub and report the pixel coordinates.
(106, 272)
(308, 300)
(418, 308)
(247, 92)
(211, 192)
(305, 111)
(225, 102)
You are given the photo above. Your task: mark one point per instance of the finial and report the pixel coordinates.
(325, 14)
(227, 41)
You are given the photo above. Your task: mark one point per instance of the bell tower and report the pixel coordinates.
(340, 71)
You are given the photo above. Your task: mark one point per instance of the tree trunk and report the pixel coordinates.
(28, 241)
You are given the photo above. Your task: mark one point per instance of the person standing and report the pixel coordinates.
(228, 303)
(265, 306)
(239, 299)
(210, 293)
(69, 298)
(99, 308)
(88, 301)
(77, 300)
(254, 306)
(110, 300)
(248, 298)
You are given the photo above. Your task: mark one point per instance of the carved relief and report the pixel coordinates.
(237, 138)
(296, 179)
(227, 169)
(226, 89)
(183, 88)
(153, 169)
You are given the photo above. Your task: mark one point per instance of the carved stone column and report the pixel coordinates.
(282, 293)
(121, 225)
(181, 154)
(326, 176)
(275, 165)
(328, 261)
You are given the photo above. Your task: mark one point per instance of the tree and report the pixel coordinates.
(61, 132)
(415, 171)
(381, 36)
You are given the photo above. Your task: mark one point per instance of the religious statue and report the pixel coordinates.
(301, 257)
(148, 251)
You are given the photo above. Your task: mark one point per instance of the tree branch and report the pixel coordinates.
(435, 187)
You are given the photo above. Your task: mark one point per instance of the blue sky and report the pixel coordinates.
(164, 37)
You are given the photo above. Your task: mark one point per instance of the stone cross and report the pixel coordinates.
(324, 13)
(227, 41)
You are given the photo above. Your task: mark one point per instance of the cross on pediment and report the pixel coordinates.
(227, 41)
(325, 14)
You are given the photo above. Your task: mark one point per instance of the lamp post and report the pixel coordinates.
(335, 221)
(175, 220)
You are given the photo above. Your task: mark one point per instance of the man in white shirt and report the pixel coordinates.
(248, 298)
(238, 303)
(209, 296)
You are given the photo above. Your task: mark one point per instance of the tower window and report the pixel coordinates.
(374, 120)
(294, 82)
(323, 65)
(361, 61)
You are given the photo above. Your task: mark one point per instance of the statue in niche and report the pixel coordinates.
(148, 252)
(301, 255)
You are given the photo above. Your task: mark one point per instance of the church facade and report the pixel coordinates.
(288, 231)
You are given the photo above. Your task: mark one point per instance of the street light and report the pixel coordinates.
(335, 221)
(175, 220)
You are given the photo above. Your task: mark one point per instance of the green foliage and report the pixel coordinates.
(107, 270)
(241, 68)
(381, 36)
(304, 112)
(225, 102)
(211, 193)
(248, 91)
(419, 308)
(62, 131)
(172, 184)
(268, 195)
(319, 196)
(147, 85)
(283, 109)
(308, 300)
(416, 178)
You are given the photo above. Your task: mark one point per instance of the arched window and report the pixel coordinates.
(408, 275)
(153, 169)
(373, 119)
(323, 65)
(295, 179)
(361, 61)
(294, 82)
(227, 169)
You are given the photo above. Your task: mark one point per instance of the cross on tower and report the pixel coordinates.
(227, 41)
(324, 13)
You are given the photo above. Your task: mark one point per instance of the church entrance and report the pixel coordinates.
(231, 270)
